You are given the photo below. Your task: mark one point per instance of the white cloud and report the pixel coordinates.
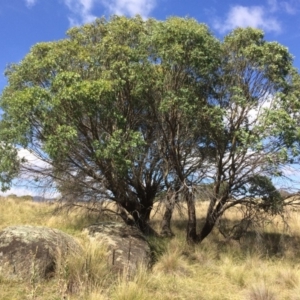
(253, 16)
(130, 7)
(35, 170)
(255, 113)
(30, 3)
(26, 183)
(81, 11)
(32, 160)
(288, 7)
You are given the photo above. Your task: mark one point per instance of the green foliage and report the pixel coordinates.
(8, 165)
(262, 186)
(125, 109)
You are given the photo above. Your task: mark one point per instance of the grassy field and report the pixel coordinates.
(262, 266)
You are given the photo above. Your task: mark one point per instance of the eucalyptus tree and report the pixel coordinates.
(124, 109)
(79, 104)
(258, 92)
(97, 106)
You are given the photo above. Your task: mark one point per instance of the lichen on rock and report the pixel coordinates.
(31, 252)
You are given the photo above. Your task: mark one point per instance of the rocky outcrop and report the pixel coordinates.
(127, 246)
(29, 252)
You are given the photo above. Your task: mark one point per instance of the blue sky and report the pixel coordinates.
(24, 23)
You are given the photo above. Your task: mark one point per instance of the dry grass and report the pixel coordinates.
(261, 291)
(262, 266)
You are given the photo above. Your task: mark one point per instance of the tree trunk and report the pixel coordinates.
(144, 218)
(206, 229)
(141, 216)
(166, 230)
(211, 218)
(191, 233)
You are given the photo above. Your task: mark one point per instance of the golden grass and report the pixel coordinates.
(261, 291)
(215, 269)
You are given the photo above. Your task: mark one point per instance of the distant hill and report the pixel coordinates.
(42, 199)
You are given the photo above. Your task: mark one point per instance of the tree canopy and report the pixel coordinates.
(124, 109)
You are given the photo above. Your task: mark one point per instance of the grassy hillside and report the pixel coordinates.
(263, 265)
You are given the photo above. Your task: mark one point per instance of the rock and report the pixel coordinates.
(33, 253)
(127, 246)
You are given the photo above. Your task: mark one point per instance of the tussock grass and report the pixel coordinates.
(263, 265)
(172, 263)
(133, 289)
(87, 273)
(261, 291)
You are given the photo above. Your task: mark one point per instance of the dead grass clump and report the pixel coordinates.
(235, 272)
(129, 291)
(82, 275)
(133, 289)
(172, 262)
(175, 259)
(261, 291)
(287, 278)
